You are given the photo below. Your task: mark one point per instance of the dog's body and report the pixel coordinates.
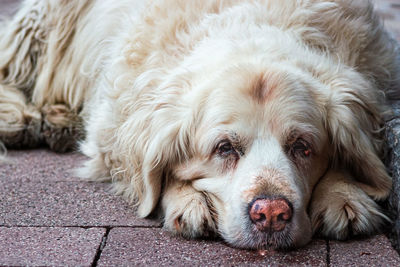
(258, 120)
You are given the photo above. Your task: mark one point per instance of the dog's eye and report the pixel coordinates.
(302, 148)
(225, 148)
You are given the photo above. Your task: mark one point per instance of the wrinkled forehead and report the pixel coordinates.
(260, 101)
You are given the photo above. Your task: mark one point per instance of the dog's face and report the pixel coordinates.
(259, 149)
(255, 135)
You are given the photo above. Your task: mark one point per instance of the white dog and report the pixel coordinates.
(257, 120)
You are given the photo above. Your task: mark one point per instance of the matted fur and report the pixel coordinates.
(155, 88)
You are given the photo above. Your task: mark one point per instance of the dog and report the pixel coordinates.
(259, 121)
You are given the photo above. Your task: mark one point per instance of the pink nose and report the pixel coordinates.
(270, 214)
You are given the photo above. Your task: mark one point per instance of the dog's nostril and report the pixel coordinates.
(270, 214)
(283, 217)
(262, 218)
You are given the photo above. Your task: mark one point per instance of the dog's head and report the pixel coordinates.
(257, 138)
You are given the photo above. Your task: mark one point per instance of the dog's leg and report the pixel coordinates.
(20, 123)
(339, 208)
(38, 101)
(186, 211)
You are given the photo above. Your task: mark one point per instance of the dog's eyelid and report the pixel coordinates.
(302, 148)
(226, 147)
(299, 145)
(295, 135)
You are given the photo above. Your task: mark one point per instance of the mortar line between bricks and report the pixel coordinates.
(101, 247)
(80, 226)
(328, 253)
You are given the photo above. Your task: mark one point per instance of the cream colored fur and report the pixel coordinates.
(158, 86)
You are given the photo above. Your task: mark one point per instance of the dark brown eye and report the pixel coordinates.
(225, 148)
(301, 148)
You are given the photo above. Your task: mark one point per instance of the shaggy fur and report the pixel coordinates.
(201, 107)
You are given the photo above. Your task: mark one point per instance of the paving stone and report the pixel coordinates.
(41, 165)
(392, 134)
(64, 204)
(154, 247)
(374, 251)
(8, 7)
(49, 246)
(390, 13)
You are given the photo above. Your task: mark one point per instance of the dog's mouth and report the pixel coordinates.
(254, 239)
(281, 240)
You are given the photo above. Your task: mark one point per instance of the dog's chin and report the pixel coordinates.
(252, 238)
(281, 240)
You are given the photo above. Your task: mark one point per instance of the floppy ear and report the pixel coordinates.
(168, 143)
(354, 124)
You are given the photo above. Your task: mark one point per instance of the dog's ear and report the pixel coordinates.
(167, 143)
(354, 124)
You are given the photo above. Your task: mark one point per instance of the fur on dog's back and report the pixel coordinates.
(58, 54)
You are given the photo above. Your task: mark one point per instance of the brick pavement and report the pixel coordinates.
(49, 217)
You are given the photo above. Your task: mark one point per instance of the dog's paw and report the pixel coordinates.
(342, 210)
(20, 123)
(24, 135)
(187, 213)
(61, 127)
